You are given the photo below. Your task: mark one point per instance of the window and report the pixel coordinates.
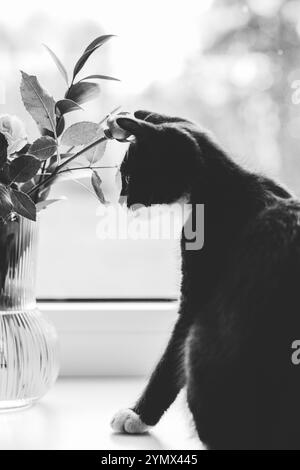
(75, 263)
(232, 66)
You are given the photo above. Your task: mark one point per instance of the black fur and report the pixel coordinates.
(240, 308)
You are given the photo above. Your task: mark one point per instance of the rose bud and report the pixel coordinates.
(114, 131)
(14, 132)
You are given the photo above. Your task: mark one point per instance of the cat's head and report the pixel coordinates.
(159, 165)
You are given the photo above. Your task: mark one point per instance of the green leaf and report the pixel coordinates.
(38, 102)
(26, 187)
(58, 63)
(60, 126)
(23, 204)
(23, 168)
(96, 153)
(93, 46)
(44, 132)
(24, 150)
(67, 106)
(4, 174)
(99, 77)
(5, 201)
(3, 149)
(96, 183)
(43, 148)
(99, 41)
(82, 92)
(81, 133)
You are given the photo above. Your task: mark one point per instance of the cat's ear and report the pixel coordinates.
(156, 118)
(143, 114)
(136, 127)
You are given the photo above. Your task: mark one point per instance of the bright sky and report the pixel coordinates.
(155, 37)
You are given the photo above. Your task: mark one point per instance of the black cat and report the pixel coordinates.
(240, 296)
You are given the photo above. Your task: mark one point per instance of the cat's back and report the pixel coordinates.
(272, 235)
(258, 289)
(279, 221)
(264, 267)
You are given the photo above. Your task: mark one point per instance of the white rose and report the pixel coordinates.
(14, 131)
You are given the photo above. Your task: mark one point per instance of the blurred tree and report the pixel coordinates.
(268, 36)
(239, 83)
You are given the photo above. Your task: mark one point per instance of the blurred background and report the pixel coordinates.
(231, 65)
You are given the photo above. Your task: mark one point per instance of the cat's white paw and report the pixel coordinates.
(127, 421)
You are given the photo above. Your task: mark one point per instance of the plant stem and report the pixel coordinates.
(88, 168)
(66, 162)
(58, 155)
(43, 171)
(109, 114)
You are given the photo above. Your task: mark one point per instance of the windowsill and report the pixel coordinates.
(111, 338)
(76, 414)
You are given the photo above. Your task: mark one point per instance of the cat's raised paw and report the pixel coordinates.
(127, 421)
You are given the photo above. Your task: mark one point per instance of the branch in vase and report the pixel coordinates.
(43, 172)
(88, 168)
(65, 163)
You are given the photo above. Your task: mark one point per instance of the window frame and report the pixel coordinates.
(114, 338)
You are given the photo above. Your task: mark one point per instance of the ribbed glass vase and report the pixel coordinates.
(28, 341)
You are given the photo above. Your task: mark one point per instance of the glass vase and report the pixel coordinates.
(28, 341)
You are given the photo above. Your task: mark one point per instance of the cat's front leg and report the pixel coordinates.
(165, 383)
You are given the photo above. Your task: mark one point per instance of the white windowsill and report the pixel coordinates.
(76, 415)
(111, 338)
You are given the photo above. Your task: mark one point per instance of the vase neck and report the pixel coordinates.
(18, 254)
